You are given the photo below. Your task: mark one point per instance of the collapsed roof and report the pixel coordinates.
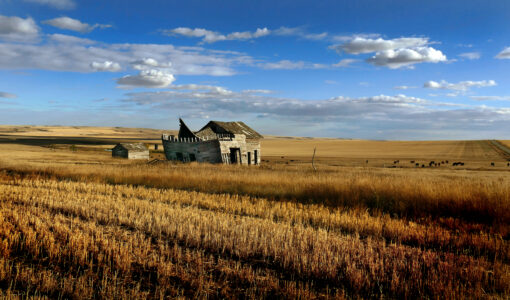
(213, 128)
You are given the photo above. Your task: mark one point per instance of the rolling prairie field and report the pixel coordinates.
(367, 223)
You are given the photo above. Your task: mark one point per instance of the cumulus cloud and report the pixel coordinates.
(7, 95)
(395, 59)
(471, 55)
(105, 66)
(149, 63)
(209, 36)
(18, 29)
(59, 4)
(505, 54)
(360, 45)
(148, 79)
(68, 53)
(392, 53)
(461, 86)
(73, 24)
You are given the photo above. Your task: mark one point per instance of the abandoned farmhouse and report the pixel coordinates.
(216, 142)
(131, 151)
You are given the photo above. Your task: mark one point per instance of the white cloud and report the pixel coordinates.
(73, 24)
(148, 79)
(490, 98)
(404, 87)
(395, 59)
(300, 32)
(106, 66)
(7, 95)
(261, 32)
(149, 63)
(505, 54)
(290, 65)
(18, 29)
(259, 91)
(398, 116)
(68, 53)
(209, 36)
(210, 98)
(360, 45)
(470, 55)
(345, 62)
(347, 38)
(69, 39)
(461, 86)
(283, 64)
(59, 4)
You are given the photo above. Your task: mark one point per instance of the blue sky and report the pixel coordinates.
(350, 69)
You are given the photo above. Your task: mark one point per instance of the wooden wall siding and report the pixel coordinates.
(212, 151)
(116, 152)
(204, 151)
(138, 155)
(130, 154)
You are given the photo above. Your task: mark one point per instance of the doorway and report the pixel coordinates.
(235, 155)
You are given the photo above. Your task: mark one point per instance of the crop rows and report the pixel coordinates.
(90, 239)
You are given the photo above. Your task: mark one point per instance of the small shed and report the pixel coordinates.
(131, 151)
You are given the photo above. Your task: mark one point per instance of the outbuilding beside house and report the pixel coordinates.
(131, 151)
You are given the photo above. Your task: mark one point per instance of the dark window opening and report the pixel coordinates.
(192, 157)
(256, 157)
(249, 158)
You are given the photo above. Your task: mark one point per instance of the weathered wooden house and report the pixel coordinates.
(216, 142)
(131, 151)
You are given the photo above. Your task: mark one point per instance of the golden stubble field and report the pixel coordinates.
(76, 223)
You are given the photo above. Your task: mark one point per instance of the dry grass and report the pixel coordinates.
(120, 237)
(403, 192)
(84, 225)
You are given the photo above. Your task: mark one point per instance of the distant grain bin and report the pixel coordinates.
(216, 142)
(131, 151)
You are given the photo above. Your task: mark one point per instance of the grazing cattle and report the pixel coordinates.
(431, 163)
(417, 164)
(458, 163)
(396, 161)
(412, 161)
(492, 164)
(446, 161)
(508, 164)
(423, 166)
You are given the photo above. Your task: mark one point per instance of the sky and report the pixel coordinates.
(367, 69)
